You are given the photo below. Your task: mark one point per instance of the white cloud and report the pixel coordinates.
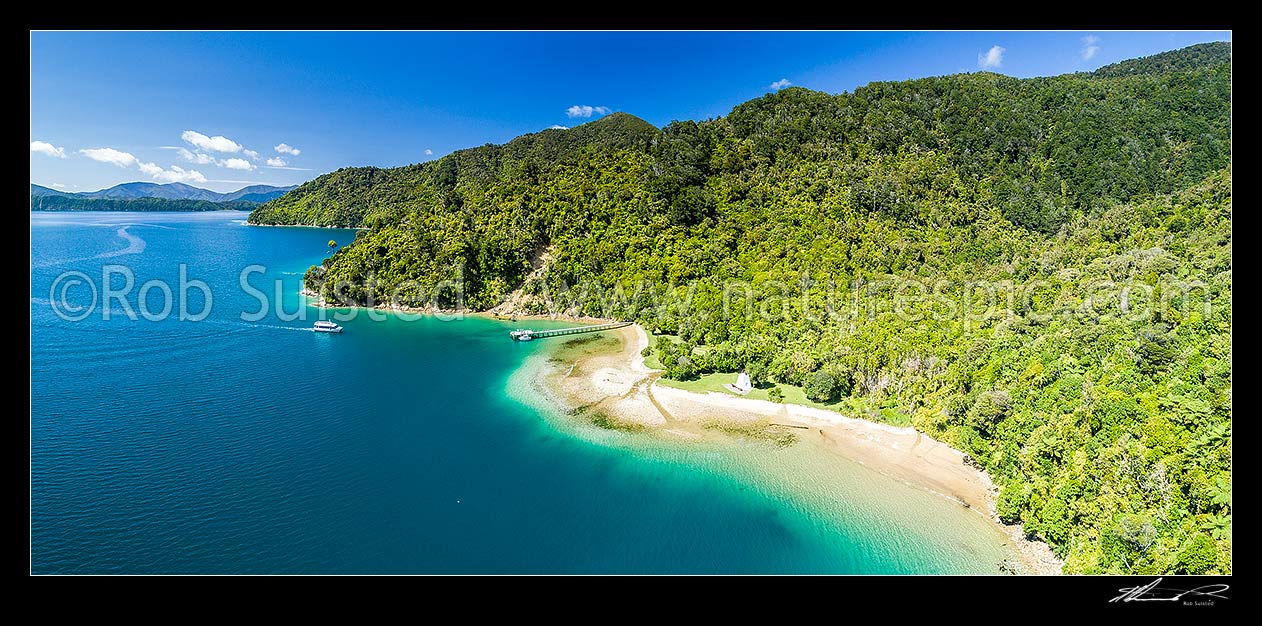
(238, 164)
(109, 155)
(176, 174)
(285, 148)
(428, 152)
(43, 147)
(558, 127)
(252, 154)
(201, 158)
(59, 185)
(780, 84)
(1089, 47)
(195, 157)
(278, 163)
(218, 143)
(992, 58)
(586, 110)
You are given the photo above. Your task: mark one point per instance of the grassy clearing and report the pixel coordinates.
(793, 394)
(651, 361)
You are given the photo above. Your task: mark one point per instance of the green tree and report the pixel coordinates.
(821, 387)
(775, 395)
(1199, 556)
(757, 371)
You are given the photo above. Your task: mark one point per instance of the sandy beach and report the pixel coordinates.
(605, 374)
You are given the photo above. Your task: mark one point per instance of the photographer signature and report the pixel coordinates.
(1152, 593)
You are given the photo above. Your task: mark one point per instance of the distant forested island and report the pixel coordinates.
(71, 203)
(1066, 241)
(142, 196)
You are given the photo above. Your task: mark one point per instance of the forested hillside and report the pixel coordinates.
(1035, 270)
(356, 196)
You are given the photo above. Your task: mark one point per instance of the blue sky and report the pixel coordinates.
(226, 109)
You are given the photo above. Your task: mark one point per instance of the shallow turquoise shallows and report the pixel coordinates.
(399, 446)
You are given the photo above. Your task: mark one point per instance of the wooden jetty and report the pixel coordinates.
(530, 335)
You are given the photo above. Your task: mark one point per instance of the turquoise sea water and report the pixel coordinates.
(400, 446)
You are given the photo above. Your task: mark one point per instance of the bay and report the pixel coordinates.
(405, 445)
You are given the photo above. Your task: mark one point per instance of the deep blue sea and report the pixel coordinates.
(401, 446)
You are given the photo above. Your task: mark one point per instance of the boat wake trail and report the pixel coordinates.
(295, 328)
(236, 324)
(243, 325)
(115, 312)
(135, 245)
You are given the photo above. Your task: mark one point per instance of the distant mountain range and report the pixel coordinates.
(153, 197)
(171, 191)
